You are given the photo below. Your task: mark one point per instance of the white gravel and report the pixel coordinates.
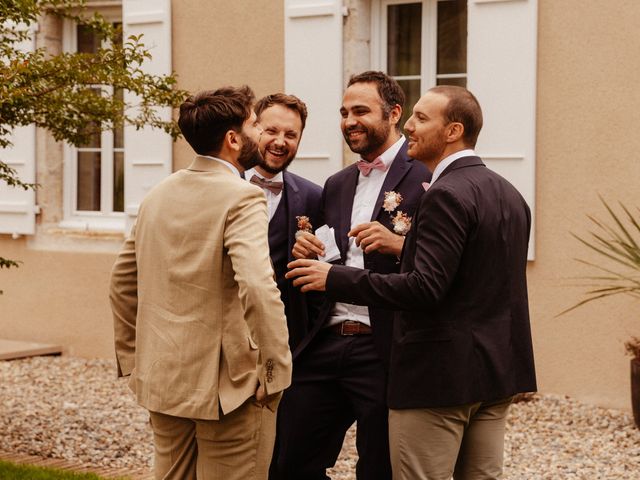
(75, 409)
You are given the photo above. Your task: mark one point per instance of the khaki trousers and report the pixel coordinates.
(238, 446)
(466, 442)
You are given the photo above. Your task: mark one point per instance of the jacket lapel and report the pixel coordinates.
(294, 208)
(347, 194)
(398, 169)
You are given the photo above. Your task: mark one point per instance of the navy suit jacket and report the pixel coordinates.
(300, 197)
(405, 176)
(461, 334)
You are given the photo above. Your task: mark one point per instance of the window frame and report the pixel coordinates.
(429, 52)
(105, 219)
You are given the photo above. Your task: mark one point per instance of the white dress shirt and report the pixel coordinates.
(364, 201)
(273, 200)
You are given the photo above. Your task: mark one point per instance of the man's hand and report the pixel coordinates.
(307, 246)
(262, 399)
(309, 274)
(374, 236)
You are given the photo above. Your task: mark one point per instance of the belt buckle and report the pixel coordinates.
(342, 332)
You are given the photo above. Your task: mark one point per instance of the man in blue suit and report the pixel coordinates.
(340, 367)
(289, 197)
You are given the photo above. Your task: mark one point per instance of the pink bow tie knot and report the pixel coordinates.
(366, 167)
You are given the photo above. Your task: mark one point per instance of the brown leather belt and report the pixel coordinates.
(350, 327)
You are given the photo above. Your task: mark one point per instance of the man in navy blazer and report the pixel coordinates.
(340, 367)
(462, 340)
(289, 197)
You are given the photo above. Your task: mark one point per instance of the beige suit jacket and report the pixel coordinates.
(197, 314)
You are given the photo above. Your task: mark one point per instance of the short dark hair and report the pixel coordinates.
(389, 90)
(207, 116)
(463, 107)
(289, 101)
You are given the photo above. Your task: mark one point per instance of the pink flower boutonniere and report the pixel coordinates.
(304, 224)
(401, 221)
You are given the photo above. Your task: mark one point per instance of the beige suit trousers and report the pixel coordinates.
(238, 446)
(464, 442)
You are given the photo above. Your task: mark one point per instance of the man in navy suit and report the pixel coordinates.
(462, 340)
(283, 118)
(340, 367)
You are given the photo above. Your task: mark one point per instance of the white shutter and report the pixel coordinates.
(313, 72)
(502, 74)
(17, 206)
(148, 152)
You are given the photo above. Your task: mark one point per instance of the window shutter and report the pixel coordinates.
(313, 72)
(502, 43)
(148, 152)
(17, 206)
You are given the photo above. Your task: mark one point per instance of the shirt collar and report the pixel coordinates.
(229, 165)
(445, 162)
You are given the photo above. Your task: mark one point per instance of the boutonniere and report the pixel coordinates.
(391, 201)
(304, 224)
(401, 221)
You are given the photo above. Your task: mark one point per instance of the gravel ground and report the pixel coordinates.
(75, 409)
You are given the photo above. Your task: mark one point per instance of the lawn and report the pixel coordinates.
(10, 471)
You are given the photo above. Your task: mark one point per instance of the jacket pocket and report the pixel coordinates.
(435, 334)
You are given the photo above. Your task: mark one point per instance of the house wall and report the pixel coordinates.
(217, 42)
(587, 144)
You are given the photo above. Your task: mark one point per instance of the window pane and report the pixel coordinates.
(88, 181)
(88, 40)
(404, 33)
(118, 181)
(452, 36)
(412, 92)
(460, 82)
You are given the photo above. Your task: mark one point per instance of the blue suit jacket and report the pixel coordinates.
(301, 197)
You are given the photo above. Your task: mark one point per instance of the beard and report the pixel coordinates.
(371, 141)
(274, 169)
(249, 153)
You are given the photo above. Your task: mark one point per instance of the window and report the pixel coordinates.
(94, 186)
(420, 44)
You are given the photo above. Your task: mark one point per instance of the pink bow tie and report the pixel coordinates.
(426, 186)
(366, 167)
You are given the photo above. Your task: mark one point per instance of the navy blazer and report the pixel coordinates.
(300, 197)
(405, 176)
(462, 333)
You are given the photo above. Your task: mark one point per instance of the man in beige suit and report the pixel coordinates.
(199, 325)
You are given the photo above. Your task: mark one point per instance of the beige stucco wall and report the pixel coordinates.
(217, 42)
(587, 144)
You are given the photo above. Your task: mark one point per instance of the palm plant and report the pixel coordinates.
(619, 244)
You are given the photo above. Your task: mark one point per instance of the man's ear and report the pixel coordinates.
(455, 131)
(232, 140)
(395, 115)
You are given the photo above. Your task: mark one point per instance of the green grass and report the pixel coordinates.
(10, 471)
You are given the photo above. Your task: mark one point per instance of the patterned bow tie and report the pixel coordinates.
(273, 187)
(366, 167)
